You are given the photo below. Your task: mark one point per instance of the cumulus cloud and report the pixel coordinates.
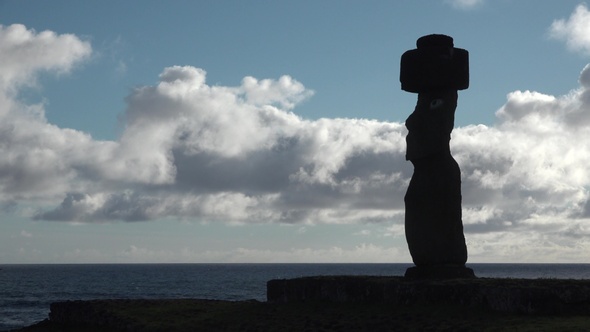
(25, 52)
(191, 150)
(530, 172)
(31, 165)
(575, 31)
(239, 154)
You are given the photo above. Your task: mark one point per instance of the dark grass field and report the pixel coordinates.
(210, 315)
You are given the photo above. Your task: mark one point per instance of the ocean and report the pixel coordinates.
(26, 291)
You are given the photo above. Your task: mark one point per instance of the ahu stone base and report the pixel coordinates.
(530, 296)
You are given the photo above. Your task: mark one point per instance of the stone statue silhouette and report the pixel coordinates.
(433, 223)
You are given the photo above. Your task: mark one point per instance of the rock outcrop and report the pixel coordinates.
(95, 313)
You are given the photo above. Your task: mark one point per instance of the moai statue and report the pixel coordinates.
(434, 229)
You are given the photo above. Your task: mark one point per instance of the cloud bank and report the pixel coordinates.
(238, 154)
(234, 154)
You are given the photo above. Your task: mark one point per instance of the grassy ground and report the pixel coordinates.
(204, 315)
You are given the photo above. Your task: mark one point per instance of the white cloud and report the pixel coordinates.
(465, 4)
(238, 154)
(528, 175)
(191, 150)
(575, 31)
(32, 150)
(25, 52)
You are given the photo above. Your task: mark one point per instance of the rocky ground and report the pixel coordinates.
(203, 315)
(338, 311)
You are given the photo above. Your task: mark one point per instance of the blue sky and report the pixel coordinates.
(265, 131)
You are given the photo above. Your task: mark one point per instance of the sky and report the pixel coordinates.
(273, 131)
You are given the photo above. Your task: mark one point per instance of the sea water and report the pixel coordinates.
(26, 291)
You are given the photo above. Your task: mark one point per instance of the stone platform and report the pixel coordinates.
(530, 296)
